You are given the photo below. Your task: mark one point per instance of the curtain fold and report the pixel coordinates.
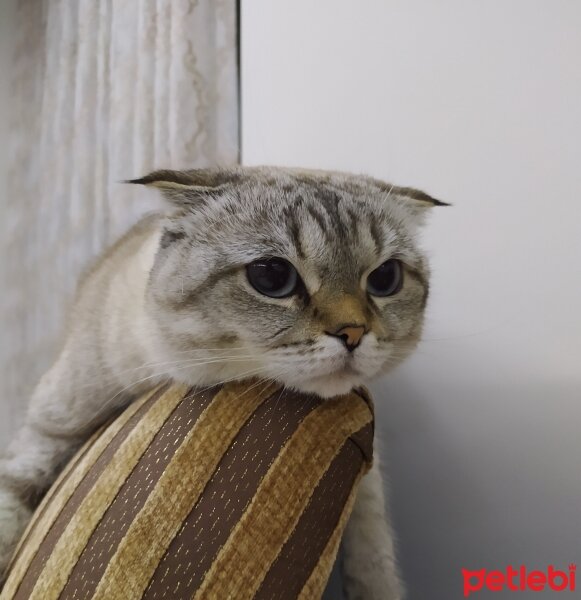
(102, 91)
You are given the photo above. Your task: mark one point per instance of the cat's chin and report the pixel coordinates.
(328, 386)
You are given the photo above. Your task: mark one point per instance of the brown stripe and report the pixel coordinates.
(55, 487)
(239, 473)
(119, 464)
(178, 490)
(58, 513)
(283, 495)
(129, 501)
(363, 439)
(315, 585)
(299, 556)
(364, 394)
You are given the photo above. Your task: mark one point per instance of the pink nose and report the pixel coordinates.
(350, 335)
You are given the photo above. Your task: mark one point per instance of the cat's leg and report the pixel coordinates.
(370, 568)
(26, 469)
(66, 406)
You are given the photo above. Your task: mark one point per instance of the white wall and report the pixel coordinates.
(479, 103)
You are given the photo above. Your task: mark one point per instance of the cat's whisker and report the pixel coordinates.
(181, 367)
(185, 362)
(98, 385)
(161, 376)
(105, 406)
(201, 349)
(194, 362)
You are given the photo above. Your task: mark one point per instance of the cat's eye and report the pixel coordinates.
(387, 279)
(274, 277)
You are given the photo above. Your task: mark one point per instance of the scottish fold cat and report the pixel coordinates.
(313, 279)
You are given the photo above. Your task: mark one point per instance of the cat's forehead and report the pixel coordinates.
(329, 224)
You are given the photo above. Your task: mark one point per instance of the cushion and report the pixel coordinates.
(235, 491)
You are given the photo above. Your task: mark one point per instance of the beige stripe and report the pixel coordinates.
(54, 508)
(178, 490)
(38, 512)
(282, 497)
(315, 584)
(74, 538)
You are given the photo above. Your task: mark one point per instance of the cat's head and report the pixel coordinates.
(314, 279)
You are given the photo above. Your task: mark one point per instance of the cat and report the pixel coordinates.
(311, 278)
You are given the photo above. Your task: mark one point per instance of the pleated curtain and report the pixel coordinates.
(100, 91)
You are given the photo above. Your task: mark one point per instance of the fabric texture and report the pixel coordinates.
(102, 91)
(237, 491)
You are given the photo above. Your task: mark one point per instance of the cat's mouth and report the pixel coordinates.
(345, 367)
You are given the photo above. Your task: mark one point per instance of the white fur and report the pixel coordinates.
(369, 562)
(14, 517)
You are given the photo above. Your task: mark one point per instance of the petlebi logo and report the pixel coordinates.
(519, 580)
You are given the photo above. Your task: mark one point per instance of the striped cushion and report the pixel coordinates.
(240, 491)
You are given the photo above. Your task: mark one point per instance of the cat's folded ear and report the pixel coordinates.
(416, 202)
(187, 187)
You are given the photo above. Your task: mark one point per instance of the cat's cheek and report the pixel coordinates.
(370, 368)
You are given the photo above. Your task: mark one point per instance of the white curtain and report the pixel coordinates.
(101, 91)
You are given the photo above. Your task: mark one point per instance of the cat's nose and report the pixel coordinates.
(350, 335)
